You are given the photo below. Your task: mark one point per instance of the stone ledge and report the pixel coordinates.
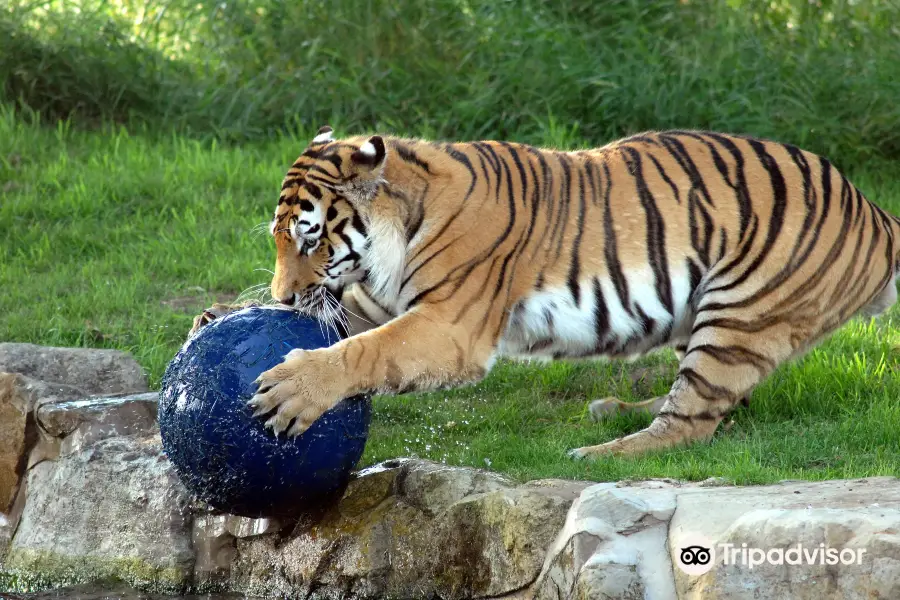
(623, 540)
(102, 502)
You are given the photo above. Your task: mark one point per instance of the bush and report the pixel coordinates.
(80, 65)
(823, 75)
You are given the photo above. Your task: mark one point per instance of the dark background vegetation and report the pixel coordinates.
(824, 74)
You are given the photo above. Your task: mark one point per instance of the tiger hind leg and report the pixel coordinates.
(719, 370)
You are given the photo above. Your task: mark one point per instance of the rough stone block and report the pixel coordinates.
(96, 372)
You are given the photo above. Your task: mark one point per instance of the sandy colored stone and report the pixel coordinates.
(115, 510)
(96, 372)
(412, 529)
(613, 545)
(19, 398)
(843, 514)
(214, 550)
(85, 421)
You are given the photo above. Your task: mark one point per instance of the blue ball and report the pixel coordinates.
(225, 455)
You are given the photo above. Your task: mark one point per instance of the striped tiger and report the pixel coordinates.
(737, 252)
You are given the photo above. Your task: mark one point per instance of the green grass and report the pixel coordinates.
(113, 240)
(823, 75)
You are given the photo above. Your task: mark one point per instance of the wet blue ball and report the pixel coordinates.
(225, 455)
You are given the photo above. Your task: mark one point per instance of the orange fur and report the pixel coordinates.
(740, 253)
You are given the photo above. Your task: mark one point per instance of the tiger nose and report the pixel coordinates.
(290, 300)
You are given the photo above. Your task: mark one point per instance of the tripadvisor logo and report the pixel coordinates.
(697, 555)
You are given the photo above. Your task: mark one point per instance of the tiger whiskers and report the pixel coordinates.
(255, 293)
(337, 312)
(259, 229)
(360, 317)
(326, 309)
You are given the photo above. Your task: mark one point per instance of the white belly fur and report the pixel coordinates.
(548, 323)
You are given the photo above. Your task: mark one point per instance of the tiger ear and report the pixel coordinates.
(325, 134)
(371, 154)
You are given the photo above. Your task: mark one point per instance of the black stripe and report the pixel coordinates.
(472, 264)
(684, 160)
(701, 224)
(779, 204)
(836, 247)
(656, 231)
(647, 324)
(413, 228)
(723, 243)
(575, 261)
(601, 314)
(543, 194)
(701, 416)
(740, 187)
(313, 190)
(701, 232)
(694, 275)
(565, 192)
(737, 355)
(511, 199)
(408, 155)
(704, 388)
(318, 168)
(797, 257)
(666, 178)
(358, 224)
(613, 266)
(290, 182)
(590, 171)
(334, 159)
(461, 158)
(328, 184)
(524, 240)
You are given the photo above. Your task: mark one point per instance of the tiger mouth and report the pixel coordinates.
(324, 306)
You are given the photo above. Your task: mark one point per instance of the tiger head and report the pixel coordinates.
(319, 226)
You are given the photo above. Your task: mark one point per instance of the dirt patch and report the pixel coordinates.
(198, 301)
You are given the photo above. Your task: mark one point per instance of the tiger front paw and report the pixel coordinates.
(298, 391)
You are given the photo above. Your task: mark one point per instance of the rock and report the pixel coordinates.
(19, 396)
(6, 532)
(433, 488)
(112, 508)
(214, 549)
(244, 527)
(82, 422)
(844, 515)
(96, 372)
(613, 545)
(412, 529)
(114, 511)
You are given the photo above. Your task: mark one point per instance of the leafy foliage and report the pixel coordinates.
(823, 75)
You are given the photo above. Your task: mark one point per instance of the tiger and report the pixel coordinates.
(737, 252)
